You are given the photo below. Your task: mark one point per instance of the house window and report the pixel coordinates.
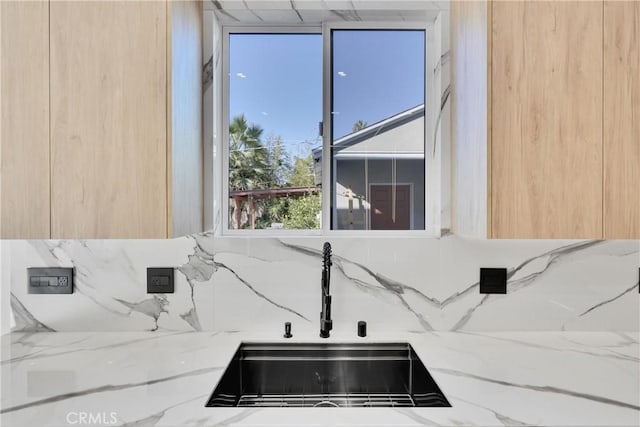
(324, 129)
(275, 105)
(377, 129)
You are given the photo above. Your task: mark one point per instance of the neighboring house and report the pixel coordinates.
(379, 175)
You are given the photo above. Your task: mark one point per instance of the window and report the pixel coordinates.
(275, 105)
(325, 128)
(378, 129)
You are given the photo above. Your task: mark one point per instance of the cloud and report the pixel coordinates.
(241, 75)
(342, 74)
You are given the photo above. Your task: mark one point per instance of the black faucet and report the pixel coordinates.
(325, 315)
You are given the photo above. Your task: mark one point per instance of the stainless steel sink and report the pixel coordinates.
(332, 375)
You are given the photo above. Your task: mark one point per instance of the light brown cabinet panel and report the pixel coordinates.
(108, 119)
(622, 120)
(24, 119)
(101, 119)
(546, 128)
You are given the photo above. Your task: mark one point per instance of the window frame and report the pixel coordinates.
(432, 166)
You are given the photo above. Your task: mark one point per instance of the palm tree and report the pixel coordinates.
(359, 125)
(248, 157)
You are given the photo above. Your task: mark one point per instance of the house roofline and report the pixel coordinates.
(377, 128)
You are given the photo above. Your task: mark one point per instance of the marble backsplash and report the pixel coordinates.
(395, 284)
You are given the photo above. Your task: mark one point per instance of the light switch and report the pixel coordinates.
(493, 280)
(160, 280)
(50, 280)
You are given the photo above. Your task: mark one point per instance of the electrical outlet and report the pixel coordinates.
(160, 280)
(49, 280)
(493, 280)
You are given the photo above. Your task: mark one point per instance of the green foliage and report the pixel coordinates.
(279, 163)
(359, 125)
(274, 210)
(302, 173)
(254, 165)
(303, 212)
(248, 157)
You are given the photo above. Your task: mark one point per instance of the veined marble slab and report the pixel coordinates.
(164, 379)
(395, 284)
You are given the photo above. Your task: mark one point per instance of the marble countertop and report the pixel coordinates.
(164, 379)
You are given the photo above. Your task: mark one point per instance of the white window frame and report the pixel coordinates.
(432, 149)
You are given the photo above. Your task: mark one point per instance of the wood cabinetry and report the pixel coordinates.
(120, 138)
(622, 119)
(24, 119)
(108, 119)
(562, 134)
(546, 127)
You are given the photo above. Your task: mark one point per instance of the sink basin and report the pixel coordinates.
(326, 374)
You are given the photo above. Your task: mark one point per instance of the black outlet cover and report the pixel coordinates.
(493, 280)
(160, 280)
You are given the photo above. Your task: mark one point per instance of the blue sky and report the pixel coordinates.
(376, 74)
(276, 80)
